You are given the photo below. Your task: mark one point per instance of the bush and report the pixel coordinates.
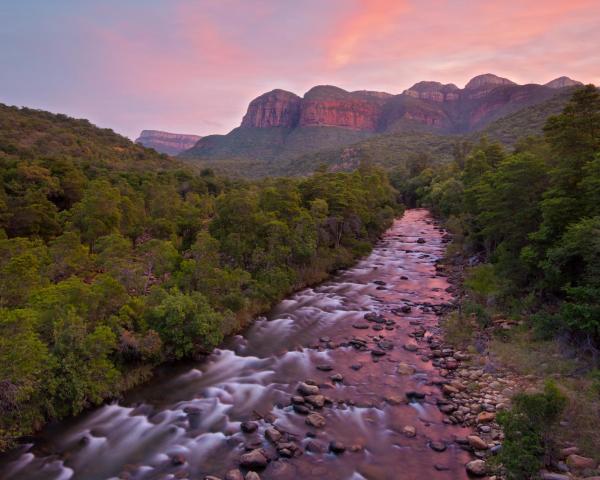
(528, 428)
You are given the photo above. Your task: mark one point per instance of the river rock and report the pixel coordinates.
(337, 378)
(486, 417)
(409, 431)
(272, 434)
(315, 446)
(553, 476)
(421, 240)
(317, 401)
(563, 453)
(476, 468)
(301, 409)
(211, 477)
(249, 427)
(405, 369)
(306, 389)
(411, 347)
(315, 420)
(437, 446)
(477, 442)
(234, 475)
(252, 476)
(577, 462)
(360, 326)
(177, 459)
(337, 447)
(254, 459)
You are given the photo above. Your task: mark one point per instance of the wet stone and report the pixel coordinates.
(301, 409)
(325, 368)
(249, 427)
(305, 389)
(254, 459)
(315, 420)
(360, 326)
(273, 435)
(337, 447)
(234, 475)
(437, 446)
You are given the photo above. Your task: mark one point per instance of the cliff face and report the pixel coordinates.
(432, 105)
(165, 142)
(344, 118)
(277, 108)
(334, 107)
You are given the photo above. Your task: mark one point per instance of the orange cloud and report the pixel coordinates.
(371, 18)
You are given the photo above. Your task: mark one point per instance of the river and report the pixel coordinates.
(186, 423)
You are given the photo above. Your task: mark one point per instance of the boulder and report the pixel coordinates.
(476, 468)
(315, 420)
(254, 459)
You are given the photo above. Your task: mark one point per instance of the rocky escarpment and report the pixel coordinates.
(165, 142)
(321, 106)
(282, 126)
(434, 105)
(334, 107)
(277, 108)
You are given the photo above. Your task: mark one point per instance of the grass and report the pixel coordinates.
(546, 360)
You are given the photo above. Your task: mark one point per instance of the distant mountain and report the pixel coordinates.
(165, 142)
(280, 126)
(562, 82)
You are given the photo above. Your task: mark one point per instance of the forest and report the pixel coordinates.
(115, 259)
(533, 215)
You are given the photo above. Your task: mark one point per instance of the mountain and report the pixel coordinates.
(562, 82)
(280, 126)
(165, 142)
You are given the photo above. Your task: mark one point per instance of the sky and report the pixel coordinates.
(192, 66)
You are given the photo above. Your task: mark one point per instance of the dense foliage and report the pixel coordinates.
(114, 258)
(528, 431)
(533, 214)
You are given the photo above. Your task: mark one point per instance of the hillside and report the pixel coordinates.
(27, 133)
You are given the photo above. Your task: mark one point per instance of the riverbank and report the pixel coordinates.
(337, 382)
(501, 359)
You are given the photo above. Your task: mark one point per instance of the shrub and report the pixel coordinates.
(528, 428)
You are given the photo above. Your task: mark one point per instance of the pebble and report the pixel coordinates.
(234, 475)
(315, 420)
(249, 427)
(337, 447)
(306, 389)
(254, 459)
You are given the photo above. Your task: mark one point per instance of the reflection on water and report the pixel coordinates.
(187, 425)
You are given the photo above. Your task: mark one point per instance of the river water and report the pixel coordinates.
(186, 422)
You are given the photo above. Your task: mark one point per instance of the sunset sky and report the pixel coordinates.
(192, 66)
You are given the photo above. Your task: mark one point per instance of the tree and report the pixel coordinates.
(186, 323)
(98, 213)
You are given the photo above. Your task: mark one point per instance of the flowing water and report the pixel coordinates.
(186, 422)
